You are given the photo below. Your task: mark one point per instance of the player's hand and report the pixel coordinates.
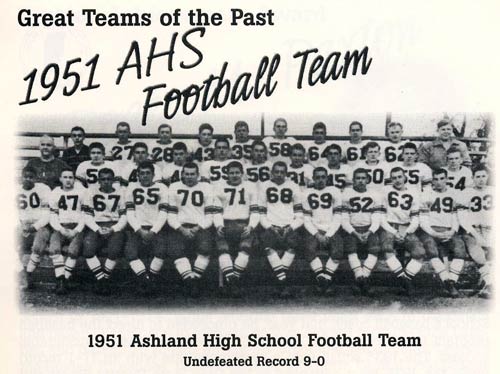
(188, 233)
(480, 241)
(321, 238)
(104, 231)
(247, 230)
(276, 230)
(71, 234)
(399, 237)
(286, 230)
(145, 235)
(30, 229)
(195, 229)
(220, 231)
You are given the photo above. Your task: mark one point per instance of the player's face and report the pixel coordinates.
(241, 134)
(319, 135)
(67, 179)
(140, 154)
(28, 180)
(398, 179)
(409, 155)
(360, 180)
(278, 174)
(123, 133)
(221, 150)
(78, 137)
(165, 134)
(259, 154)
(395, 133)
(372, 154)
(47, 147)
(190, 176)
(333, 157)
(439, 181)
(106, 181)
(280, 129)
(320, 179)
(234, 176)
(205, 137)
(454, 160)
(297, 157)
(480, 178)
(96, 155)
(145, 176)
(179, 157)
(445, 132)
(355, 132)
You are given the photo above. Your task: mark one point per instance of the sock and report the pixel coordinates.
(183, 266)
(369, 264)
(156, 265)
(95, 267)
(33, 263)
(317, 267)
(439, 268)
(58, 262)
(137, 267)
(275, 262)
(355, 265)
(240, 263)
(200, 264)
(456, 266)
(330, 267)
(226, 265)
(69, 265)
(394, 264)
(109, 265)
(287, 259)
(413, 268)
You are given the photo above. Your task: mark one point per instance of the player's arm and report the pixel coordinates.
(54, 213)
(264, 222)
(346, 219)
(376, 218)
(218, 211)
(424, 221)
(81, 222)
(45, 210)
(254, 208)
(337, 216)
(298, 210)
(88, 212)
(130, 207)
(308, 223)
(414, 220)
(209, 209)
(173, 210)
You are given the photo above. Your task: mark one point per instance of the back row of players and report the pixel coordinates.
(260, 204)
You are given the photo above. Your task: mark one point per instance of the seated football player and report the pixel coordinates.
(34, 229)
(392, 150)
(104, 208)
(127, 171)
(352, 150)
(322, 219)
(399, 223)
(236, 217)
(161, 148)
(190, 216)
(378, 171)
(202, 149)
(87, 171)
(281, 217)
(121, 149)
(439, 223)
(298, 172)
(279, 146)
(171, 172)
(339, 175)
(67, 221)
(459, 176)
(241, 145)
(418, 174)
(215, 170)
(146, 202)
(258, 169)
(361, 211)
(316, 154)
(475, 217)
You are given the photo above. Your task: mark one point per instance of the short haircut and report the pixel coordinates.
(190, 165)
(97, 145)
(78, 128)
(163, 126)
(396, 170)
(410, 145)
(453, 150)
(222, 140)
(123, 124)
(296, 147)
(140, 145)
(239, 124)
(205, 126)
(394, 124)
(67, 168)
(442, 123)
(106, 171)
(29, 169)
(354, 123)
(281, 164)
(280, 120)
(319, 169)
(333, 146)
(360, 171)
(440, 171)
(480, 168)
(179, 146)
(235, 164)
(370, 145)
(259, 142)
(319, 125)
(46, 136)
(146, 165)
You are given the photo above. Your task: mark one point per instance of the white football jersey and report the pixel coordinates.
(439, 208)
(258, 173)
(34, 203)
(200, 152)
(241, 151)
(68, 204)
(120, 152)
(214, 171)
(280, 203)
(340, 178)
(104, 207)
(301, 176)
(322, 205)
(460, 179)
(146, 202)
(392, 152)
(191, 205)
(418, 174)
(161, 152)
(236, 202)
(361, 205)
(128, 171)
(171, 172)
(316, 153)
(279, 149)
(89, 172)
(352, 153)
(378, 174)
(478, 206)
(400, 205)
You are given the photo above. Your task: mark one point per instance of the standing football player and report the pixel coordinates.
(216, 170)
(171, 172)
(298, 172)
(128, 169)
(459, 177)
(392, 150)
(352, 151)
(316, 148)
(339, 175)
(87, 171)
(279, 146)
(161, 148)
(258, 169)
(121, 149)
(241, 146)
(418, 174)
(202, 149)
(378, 171)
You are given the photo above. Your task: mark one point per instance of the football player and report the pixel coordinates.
(146, 202)
(172, 171)
(128, 171)
(282, 215)
(79, 152)
(339, 175)
(298, 172)
(67, 221)
(361, 211)
(34, 231)
(399, 223)
(459, 177)
(161, 148)
(316, 148)
(121, 149)
(392, 150)
(105, 216)
(202, 149)
(352, 151)
(417, 173)
(322, 219)
(216, 170)
(378, 171)
(241, 146)
(87, 171)
(236, 217)
(475, 217)
(258, 169)
(439, 223)
(191, 208)
(279, 146)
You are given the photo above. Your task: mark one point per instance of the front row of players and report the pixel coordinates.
(237, 218)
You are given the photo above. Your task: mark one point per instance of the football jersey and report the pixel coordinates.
(200, 152)
(361, 205)
(171, 172)
(128, 171)
(161, 152)
(460, 179)
(89, 172)
(352, 153)
(193, 205)
(478, 206)
(236, 202)
(68, 204)
(417, 174)
(34, 203)
(258, 173)
(322, 205)
(392, 152)
(103, 206)
(280, 203)
(279, 149)
(146, 202)
(214, 171)
(378, 174)
(120, 152)
(241, 151)
(316, 153)
(439, 208)
(301, 176)
(340, 178)
(400, 205)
